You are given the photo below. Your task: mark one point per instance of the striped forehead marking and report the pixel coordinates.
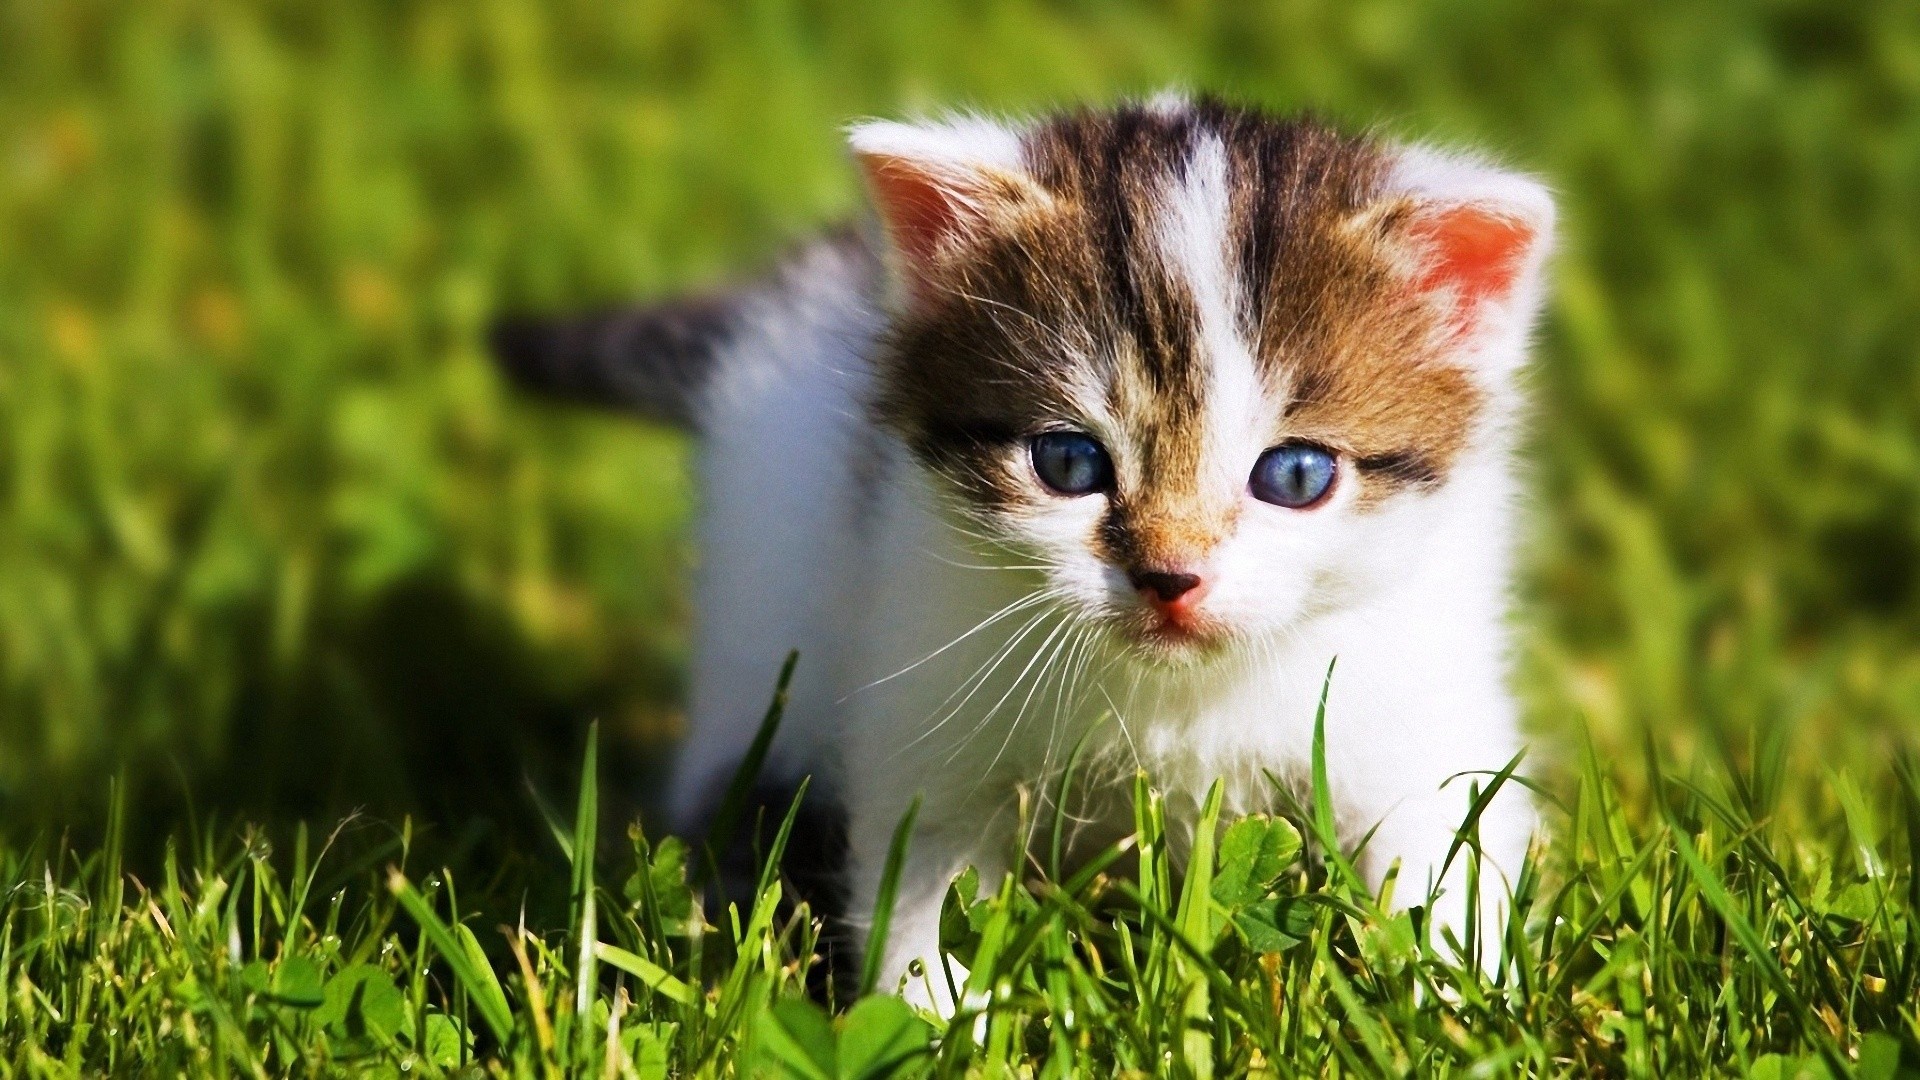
(1202, 263)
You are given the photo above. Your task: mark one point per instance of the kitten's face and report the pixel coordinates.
(1190, 361)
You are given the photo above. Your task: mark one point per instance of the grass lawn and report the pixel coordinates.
(303, 615)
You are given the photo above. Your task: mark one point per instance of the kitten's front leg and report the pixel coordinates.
(936, 854)
(1418, 827)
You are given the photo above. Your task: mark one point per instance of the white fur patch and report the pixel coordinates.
(1193, 238)
(1438, 176)
(957, 144)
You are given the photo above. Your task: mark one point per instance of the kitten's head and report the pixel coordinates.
(1213, 370)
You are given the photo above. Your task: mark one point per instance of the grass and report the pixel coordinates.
(275, 545)
(1691, 935)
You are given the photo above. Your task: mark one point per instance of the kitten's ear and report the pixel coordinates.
(938, 186)
(1478, 237)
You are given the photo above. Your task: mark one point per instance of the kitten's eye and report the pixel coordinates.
(1293, 475)
(1071, 463)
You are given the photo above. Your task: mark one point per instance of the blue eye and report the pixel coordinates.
(1071, 463)
(1294, 475)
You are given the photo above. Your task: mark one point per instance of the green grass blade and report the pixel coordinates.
(651, 975)
(727, 820)
(770, 859)
(1756, 946)
(1324, 821)
(469, 964)
(876, 945)
(586, 846)
(1195, 914)
(550, 817)
(1481, 800)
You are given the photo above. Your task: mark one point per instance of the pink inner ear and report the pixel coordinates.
(918, 211)
(1475, 253)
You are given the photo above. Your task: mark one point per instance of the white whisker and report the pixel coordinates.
(1018, 605)
(1012, 689)
(974, 682)
(1051, 652)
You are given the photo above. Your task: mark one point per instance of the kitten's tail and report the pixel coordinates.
(650, 360)
(656, 361)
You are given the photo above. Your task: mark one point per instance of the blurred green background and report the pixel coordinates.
(275, 540)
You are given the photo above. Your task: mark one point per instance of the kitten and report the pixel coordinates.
(1123, 426)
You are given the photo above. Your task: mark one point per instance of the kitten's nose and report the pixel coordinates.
(1165, 587)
